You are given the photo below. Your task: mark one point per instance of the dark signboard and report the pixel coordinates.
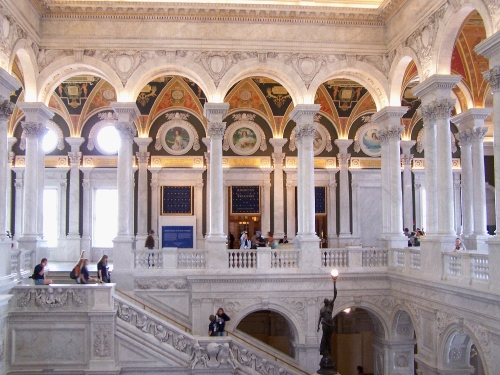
(177, 200)
(177, 236)
(320, 201)
(245, 200)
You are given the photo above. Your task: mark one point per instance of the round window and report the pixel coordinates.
(108, 140)
(50, 140)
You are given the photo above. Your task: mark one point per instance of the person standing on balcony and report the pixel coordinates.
(150, 244)
(458, 245)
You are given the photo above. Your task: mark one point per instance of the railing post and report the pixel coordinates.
(263, 259)
(355, 254)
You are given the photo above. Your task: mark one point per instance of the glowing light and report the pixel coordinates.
(335, 274)
(348, 310)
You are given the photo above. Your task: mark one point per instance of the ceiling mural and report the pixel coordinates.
(75, 91)
(466, 62)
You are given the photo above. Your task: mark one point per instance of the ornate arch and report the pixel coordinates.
(398, 69)
(65, 67)
(22, 49)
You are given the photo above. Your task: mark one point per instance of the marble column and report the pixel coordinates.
(406, 158)
(457, 196)
(344, 200)
(142, 191)
(479, 189)
(291, 186)
(216, 239)
(471, 124)
(435, 93)
(8, 221)
(85, 242)
(279, 199)
(73, 246)
(307, 240)
(155, 202)
(464, 138)
(420, 195)
(206, 142)
(36, 116)
(490, 48)
(7, 85)
(198, 213)
(332, 210)
(123, 257)
(18, 202)
(266, 206)
(389, 119)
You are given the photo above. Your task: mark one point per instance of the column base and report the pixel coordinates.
(216, 257)
(123, 263)
(477, 242)
(431, 248)
(393, 241)
(308, 244)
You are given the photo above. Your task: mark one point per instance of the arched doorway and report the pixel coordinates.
(271, 328)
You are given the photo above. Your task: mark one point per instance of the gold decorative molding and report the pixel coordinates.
(320, 163)
(52, 161)
(246, 162)
(365, 163)
(419, 163)
(177, 162)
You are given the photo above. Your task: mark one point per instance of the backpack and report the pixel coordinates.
(75, 272)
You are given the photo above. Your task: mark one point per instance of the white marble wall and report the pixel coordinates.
(368, 203)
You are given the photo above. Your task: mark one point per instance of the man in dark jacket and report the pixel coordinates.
(150, 244)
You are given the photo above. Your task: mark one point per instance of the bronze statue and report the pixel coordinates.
(327, 365)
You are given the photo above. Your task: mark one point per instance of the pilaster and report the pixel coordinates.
(86, 210)
(464, 138)
(307, 240)
(279, 199)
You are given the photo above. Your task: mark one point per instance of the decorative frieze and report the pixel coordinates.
(50, 298)
(102, 340)
(159, 283)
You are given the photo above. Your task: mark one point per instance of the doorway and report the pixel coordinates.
(240, 223)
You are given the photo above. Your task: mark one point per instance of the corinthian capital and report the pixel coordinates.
(304, 131)
(464, 138)
(6, 108)
(127, 130)
(216, 129)
(493, 77)
(479, 133)
(33, 129)
(343, 159)
(142, 157)
(74, 158)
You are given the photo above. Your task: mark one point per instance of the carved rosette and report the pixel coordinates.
(127, 130)
(102, 340)
(216, 130)
(33, 130)
(493, 77)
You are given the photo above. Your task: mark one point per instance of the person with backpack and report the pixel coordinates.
(75, 272)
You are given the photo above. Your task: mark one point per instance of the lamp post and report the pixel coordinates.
(327, 365)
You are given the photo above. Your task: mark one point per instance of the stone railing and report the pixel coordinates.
(214, 355)
(22, 263)
(285, 258)
(467, 266)
(169, 258)
(242, 259)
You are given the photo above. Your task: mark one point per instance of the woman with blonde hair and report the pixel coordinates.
(102, 270)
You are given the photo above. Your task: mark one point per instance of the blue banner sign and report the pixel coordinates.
(177, 200)
(177, 236)
(320, 201)
(245, 200)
